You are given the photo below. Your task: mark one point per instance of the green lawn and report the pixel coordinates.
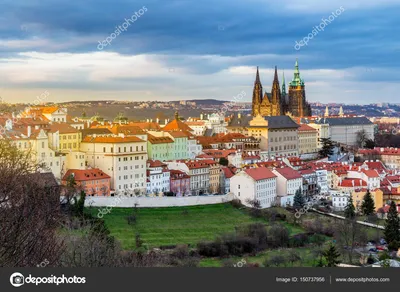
(168, 226)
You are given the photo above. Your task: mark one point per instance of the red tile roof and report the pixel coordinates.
(228, 172)
(108, 139)
(350, 182)
(260, 173)
(86, 174)
(177, 125)
(288, 173)
(370, 173)
(306, 128)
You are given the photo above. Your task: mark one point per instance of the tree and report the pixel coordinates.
(298, 200)
(369, 144)
(348, 235)
(293, 256)
(255, 207)
(275, 260)
(368, 205)
(331, 255)
(362, 137)
(327, 147)
(29, 211)
(350, 211)
(223, 161)
(392, 225)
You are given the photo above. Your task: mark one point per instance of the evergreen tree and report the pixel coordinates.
(298, 200)
(368, 205)
(350, 210)
(223, 161)
(331, 255)
(392, 225)
(327, 147)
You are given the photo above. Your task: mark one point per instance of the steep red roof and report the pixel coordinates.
(228, 172)
(177, 125)
(260, 173)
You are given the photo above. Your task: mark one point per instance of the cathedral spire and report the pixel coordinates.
(326, 114)
(276, 74)
(341, 113)
(257, 95)
(297, 81)
(257, 77)
(283, 84)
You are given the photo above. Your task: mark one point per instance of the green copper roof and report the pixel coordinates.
(297, 81)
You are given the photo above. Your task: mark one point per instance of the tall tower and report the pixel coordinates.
(257, 95)
(326, 114)
(284, 100)
(341, 113)
(276, 96)
(298, 105)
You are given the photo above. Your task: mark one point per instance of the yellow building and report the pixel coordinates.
(64, 138)
(36, 143)
(308, 139)
(377, 196)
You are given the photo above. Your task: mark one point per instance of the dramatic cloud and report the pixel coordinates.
(196, 49)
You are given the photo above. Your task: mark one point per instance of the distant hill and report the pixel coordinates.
(206, 101)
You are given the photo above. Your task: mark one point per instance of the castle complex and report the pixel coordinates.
(277, 102)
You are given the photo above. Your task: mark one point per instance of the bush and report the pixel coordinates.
(181, 252)
(279, 235)
(299, 240)
(236, 204)
(394, 245)
(258, 232)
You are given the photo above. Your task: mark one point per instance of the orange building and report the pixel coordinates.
(93, 181)
(377, 196)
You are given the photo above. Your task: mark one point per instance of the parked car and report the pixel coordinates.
(373, 249)
(381, 247)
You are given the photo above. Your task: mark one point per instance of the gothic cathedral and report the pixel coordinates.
(277, 103)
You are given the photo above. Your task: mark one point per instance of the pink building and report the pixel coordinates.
(93, 181)
(180, 183)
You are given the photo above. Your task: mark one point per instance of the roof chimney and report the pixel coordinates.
(29, 131)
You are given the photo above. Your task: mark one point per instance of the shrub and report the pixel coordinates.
(280, 235)
(181, 252)
(236, 203)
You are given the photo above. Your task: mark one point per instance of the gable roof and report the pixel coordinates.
(260, 173)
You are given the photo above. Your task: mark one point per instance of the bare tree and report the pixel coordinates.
(349, 234)
(29, 211)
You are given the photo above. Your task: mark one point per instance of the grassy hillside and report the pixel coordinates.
(175, 225)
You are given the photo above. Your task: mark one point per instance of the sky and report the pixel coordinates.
(197, 49)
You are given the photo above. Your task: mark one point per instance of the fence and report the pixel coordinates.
(156, 202)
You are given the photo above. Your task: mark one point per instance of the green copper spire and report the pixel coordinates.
(297, 81)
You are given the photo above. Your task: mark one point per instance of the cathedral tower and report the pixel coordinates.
(298, 105)
(257, 95)
(276, 96)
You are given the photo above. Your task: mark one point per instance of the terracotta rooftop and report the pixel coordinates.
(260, 173)
(288, 173)
(86, 174)
(111, 139)
(63, 128)
(159, 140)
